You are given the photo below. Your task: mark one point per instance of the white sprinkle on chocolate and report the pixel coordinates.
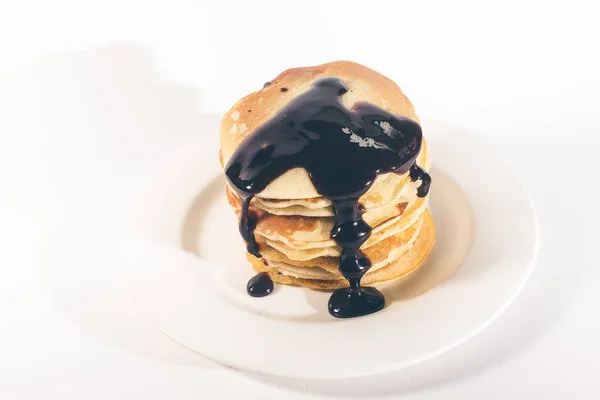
(362, 142)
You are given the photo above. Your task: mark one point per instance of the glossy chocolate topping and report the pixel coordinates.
(343, 151)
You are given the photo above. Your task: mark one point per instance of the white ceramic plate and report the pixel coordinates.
(183, 261)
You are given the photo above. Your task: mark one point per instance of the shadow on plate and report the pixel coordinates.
(454, 228)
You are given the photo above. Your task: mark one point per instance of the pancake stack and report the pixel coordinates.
(293, 222)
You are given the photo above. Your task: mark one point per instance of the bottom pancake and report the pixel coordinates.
(406, 264)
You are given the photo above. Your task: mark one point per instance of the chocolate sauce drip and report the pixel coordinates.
(350, 232)
(418, 173)
(343, 151)
(260, 285)
(248, 222)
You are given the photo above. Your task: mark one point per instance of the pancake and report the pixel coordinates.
(408, 262)
(292, 222)
(296, 230)
(381, 254)
(364, 86)
(305, 250)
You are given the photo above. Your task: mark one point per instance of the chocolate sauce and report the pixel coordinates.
(417, 173)
(260, 285)
(343, 151)
(247, 224)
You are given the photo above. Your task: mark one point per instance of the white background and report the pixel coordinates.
(83, 84)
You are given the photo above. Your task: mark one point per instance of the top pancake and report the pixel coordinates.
(364, 85)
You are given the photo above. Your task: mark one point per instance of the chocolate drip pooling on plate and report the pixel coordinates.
(343, 151)
(260, 285)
